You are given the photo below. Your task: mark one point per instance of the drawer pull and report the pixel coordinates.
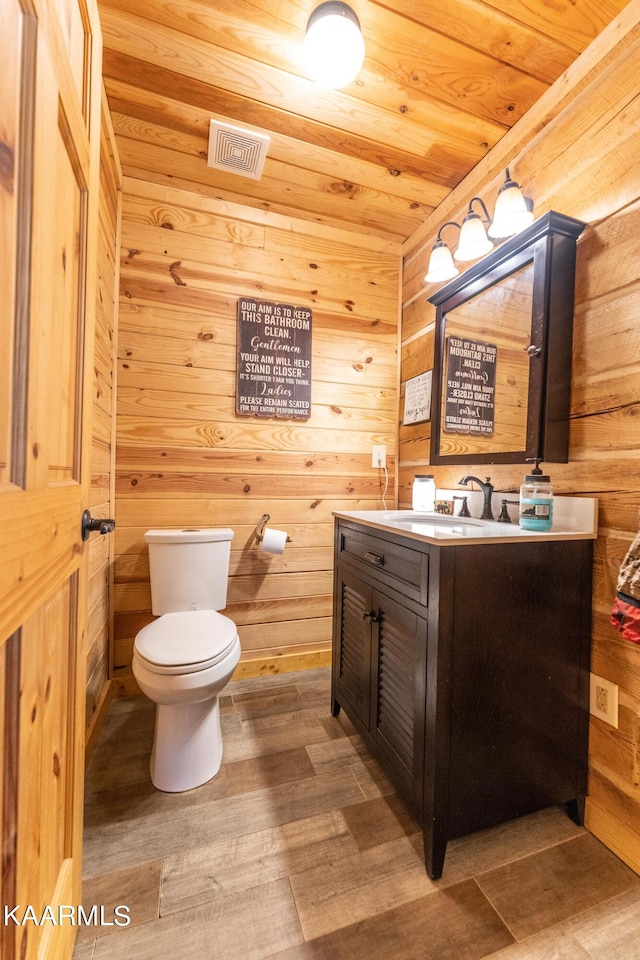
(377, 558)
(370, 617)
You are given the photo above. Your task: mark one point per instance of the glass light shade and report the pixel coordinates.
(441, 265)
(473, 242)
(333, 48)
(512, 213)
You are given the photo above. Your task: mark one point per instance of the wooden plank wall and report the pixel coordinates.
(184, 458)
(577, 153)
(102, 548)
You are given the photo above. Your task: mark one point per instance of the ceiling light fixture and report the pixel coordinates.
(333, 48)
(513, 213)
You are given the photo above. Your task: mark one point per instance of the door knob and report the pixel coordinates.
(89, 525)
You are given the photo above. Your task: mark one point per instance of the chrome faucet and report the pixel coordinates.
(487, 491)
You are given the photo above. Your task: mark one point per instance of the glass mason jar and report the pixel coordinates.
(536, 502)
(423, 495)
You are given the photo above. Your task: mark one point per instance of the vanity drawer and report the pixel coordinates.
(400, 565)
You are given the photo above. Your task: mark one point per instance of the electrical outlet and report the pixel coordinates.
(603, 699)
(379, 455)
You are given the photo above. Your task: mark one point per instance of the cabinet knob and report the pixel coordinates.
(371, 617)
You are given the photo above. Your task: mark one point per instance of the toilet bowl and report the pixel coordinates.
(182, 661)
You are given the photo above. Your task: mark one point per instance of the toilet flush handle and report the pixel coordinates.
(89, 525)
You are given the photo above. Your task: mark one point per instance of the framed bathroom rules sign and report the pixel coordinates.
(470, 386)
(273, 363)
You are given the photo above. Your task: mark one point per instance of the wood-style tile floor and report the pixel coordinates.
(300, 849)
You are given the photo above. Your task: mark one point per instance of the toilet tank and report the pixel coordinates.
(189, 569)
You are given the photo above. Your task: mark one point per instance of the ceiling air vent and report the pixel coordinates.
(236, 150)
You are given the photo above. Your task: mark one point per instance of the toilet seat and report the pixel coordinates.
(186, 641)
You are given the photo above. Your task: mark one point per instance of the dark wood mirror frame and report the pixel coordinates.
(550, 245)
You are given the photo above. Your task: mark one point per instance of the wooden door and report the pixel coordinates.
(49, 141)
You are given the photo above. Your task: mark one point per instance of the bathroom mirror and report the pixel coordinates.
(503, 341)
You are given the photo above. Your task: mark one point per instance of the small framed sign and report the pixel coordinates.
(417, 398)
(273, 362)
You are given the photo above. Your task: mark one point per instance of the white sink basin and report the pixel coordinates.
(439, 519)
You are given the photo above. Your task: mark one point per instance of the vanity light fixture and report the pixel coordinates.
(441, 265)
(473, 242)
(513, 210)
(333, 48)
(513, 213)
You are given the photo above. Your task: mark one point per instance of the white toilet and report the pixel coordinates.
(183, 660)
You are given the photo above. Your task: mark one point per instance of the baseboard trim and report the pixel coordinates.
(272, 665)
(618, 836)
(97, 720)
(250, 665)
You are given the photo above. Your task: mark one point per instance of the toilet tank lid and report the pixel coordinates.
(189, 535)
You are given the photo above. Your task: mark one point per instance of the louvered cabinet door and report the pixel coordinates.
(352, 644)
(397, 705)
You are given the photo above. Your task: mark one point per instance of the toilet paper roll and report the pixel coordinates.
(273, 541)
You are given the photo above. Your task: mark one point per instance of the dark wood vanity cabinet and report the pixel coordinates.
(381, 675)
(465, 668)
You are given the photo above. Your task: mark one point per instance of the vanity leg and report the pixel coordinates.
(575, 810)
(335, 708)
(435, 848)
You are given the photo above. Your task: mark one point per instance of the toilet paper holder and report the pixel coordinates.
(262, 522)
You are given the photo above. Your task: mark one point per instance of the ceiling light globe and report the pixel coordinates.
(333, 48)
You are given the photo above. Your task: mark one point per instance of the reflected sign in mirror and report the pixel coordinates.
(486, 384)
(502, 363)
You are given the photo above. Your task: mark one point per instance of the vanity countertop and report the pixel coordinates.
(574, 518)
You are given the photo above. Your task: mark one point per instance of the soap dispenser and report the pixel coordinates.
(536, 500)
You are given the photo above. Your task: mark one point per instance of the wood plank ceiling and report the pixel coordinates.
(442, 82)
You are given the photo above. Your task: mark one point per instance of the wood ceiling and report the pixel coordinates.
(442, 82)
